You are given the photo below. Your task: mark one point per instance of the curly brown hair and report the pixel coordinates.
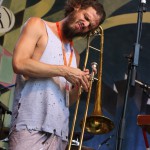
(83, 4)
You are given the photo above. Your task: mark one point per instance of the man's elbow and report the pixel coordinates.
(17, 67)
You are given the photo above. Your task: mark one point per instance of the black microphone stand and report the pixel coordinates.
(132, 65)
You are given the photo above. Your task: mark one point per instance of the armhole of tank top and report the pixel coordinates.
(46, 27)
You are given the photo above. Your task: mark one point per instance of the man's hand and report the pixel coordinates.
(78, 77)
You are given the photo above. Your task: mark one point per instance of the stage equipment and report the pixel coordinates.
(4, 131)
(96, 123)
(144, 122)
(133, 59)
(76, 147)
(87, 136)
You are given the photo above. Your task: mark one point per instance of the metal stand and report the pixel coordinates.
(4, 109)
(133, 63)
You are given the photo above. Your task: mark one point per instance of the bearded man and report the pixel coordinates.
(48, 76)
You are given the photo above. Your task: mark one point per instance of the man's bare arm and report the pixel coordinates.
(23, 62)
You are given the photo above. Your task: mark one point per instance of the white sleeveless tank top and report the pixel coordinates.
(42, 101)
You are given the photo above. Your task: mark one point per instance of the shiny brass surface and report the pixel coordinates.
(78, 101)
(96, 123)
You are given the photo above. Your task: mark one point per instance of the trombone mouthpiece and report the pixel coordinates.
(94, 67)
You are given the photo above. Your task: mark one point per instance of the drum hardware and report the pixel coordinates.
(76, 147)
(4, 133)
(5, 140)
(76, 138)
(3, 148)
(3, 89)
(96, 123)
(4, 110)
(75, 142)
(87, 136)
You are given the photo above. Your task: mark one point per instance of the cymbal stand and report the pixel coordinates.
(4, 109)
(133, 64)
(2, 123)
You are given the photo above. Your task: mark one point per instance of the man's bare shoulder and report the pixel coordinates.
(34, 24)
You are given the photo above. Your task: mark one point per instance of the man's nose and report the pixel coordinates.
(86, 23)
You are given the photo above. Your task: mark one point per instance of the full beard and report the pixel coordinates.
(68, 31)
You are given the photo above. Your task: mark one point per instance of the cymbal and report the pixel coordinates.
(86, 136)
(76, 147)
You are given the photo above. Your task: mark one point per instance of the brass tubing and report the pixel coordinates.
(79, 95)
(86, 109)
(97, 123)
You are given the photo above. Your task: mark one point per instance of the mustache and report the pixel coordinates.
(70, 33)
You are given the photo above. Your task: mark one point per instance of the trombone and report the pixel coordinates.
(96, 123)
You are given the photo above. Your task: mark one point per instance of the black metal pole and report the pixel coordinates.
(121, 127)
(137, 47)
(133, 63)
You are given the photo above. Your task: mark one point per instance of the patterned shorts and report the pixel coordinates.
(35, 140)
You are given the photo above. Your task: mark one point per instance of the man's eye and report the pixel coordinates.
(86, 18)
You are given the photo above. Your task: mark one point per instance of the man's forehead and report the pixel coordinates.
(93, 16)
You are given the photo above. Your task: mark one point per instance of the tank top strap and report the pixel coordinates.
(47, 28)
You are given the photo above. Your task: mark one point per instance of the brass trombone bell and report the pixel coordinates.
(98, 124)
